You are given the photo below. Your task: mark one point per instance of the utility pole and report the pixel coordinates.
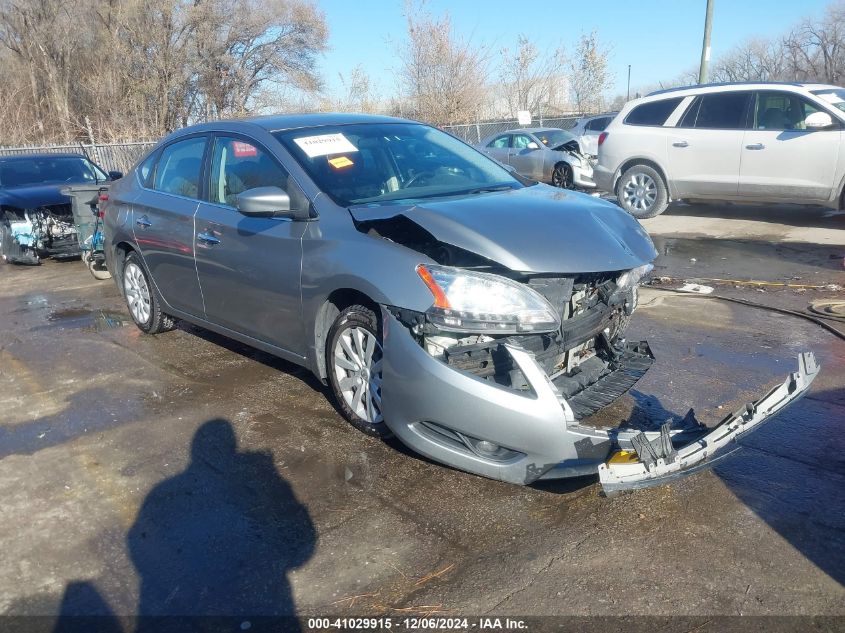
(705, 44)
(628, 98)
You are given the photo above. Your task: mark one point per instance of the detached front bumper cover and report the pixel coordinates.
(657, 462)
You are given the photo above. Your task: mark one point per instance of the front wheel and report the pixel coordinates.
(562, 176)
(642, 192)
(144, 304)
(353, 364)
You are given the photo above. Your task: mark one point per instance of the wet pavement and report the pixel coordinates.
(186, 473)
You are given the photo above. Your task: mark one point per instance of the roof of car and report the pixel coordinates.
(278, 122)
(13, 157)
(739, 84)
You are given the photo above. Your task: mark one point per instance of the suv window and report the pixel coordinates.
(654, 113)
(717, 111)
(178, 169)
(237, 165)
(500, 142)
(598, 125)
(781, 111)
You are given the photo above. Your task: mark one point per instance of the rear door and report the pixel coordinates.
(526, 156)
(781, 159)
(249, 267)
(705, 147)
(163, 222)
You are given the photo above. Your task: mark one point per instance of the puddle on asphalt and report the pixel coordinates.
(87, 319)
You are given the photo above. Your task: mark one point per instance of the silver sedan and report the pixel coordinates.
(547, 155)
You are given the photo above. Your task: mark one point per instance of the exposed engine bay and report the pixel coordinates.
(29, 235)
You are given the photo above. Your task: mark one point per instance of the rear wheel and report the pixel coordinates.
(353, 363)
(562, 176)
(642, 192)
(144, 304)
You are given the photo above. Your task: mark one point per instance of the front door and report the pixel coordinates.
(781, 158)
(704, 148)
(249, 267)
(526, 156)
(163, 222)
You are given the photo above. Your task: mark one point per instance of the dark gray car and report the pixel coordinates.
(477, 318)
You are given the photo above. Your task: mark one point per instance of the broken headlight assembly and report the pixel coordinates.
(633, 277)
(473, 302)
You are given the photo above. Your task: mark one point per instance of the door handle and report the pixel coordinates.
(755, 146)
(143, 222)
(680, 144)
(207, 238)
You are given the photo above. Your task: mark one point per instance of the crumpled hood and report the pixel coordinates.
(34, 197)
(538, 229)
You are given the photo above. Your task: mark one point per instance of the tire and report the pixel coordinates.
(562, 176)
(642, 192)
(141, 298)
(353, 365)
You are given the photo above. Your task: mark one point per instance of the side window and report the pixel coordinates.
(178, 169)
(653, 113)
(521, 141)
(781, 111)
(237, 165)
(722, 111)
(145, 169)
(500, 142)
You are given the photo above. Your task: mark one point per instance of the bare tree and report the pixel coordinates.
(755, 60)
(444, 76)
(815, 50)
(357, 93)
(590, 77)
(531, 81)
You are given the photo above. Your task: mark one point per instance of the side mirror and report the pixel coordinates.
(532, 145)
(818, 121)
(115, 175)
(267, 202)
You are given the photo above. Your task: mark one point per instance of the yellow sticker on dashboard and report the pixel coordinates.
(340, 162)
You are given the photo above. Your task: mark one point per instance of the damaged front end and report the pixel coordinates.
(29, 235)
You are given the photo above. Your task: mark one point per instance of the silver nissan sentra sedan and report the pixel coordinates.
(477, 316)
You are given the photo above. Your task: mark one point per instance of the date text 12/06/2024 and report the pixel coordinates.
(417, 624)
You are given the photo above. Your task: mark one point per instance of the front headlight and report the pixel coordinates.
(632, 278)
(467, 301)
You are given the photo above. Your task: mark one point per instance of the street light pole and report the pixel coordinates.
(628, 98)
(705, 44)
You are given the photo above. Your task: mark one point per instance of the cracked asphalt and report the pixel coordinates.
(186, 473)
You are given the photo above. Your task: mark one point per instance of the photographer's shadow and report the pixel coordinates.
(220, 537)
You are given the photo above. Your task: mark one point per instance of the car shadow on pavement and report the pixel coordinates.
(212, 547)
(791, 214)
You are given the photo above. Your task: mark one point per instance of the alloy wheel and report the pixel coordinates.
(137, 292)
(357, 366)
(640, 191)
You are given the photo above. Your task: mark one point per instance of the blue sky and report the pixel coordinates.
(659, 38)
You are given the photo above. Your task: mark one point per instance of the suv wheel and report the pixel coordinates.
(353, 363)
(642, 192)
(144, 304)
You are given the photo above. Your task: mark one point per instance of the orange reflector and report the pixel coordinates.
(440, 298)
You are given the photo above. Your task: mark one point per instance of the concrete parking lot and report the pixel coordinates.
(186, 473)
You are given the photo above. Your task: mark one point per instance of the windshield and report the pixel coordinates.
(383, 162)
(554, 138)
(26, 172)
(833, 96)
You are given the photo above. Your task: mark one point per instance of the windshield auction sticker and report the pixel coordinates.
(325, 144)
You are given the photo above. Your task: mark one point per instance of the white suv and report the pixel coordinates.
(751, 142)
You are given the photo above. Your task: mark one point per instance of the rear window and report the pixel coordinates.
(653, 113)
(718, 111)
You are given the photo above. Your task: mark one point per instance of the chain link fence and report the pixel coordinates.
(472, 133)
(109, 156)
(121, 156)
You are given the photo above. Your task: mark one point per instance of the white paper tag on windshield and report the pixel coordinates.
(325, 144)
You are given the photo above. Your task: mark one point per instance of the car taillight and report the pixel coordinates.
(102, 199)
(602, 137)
